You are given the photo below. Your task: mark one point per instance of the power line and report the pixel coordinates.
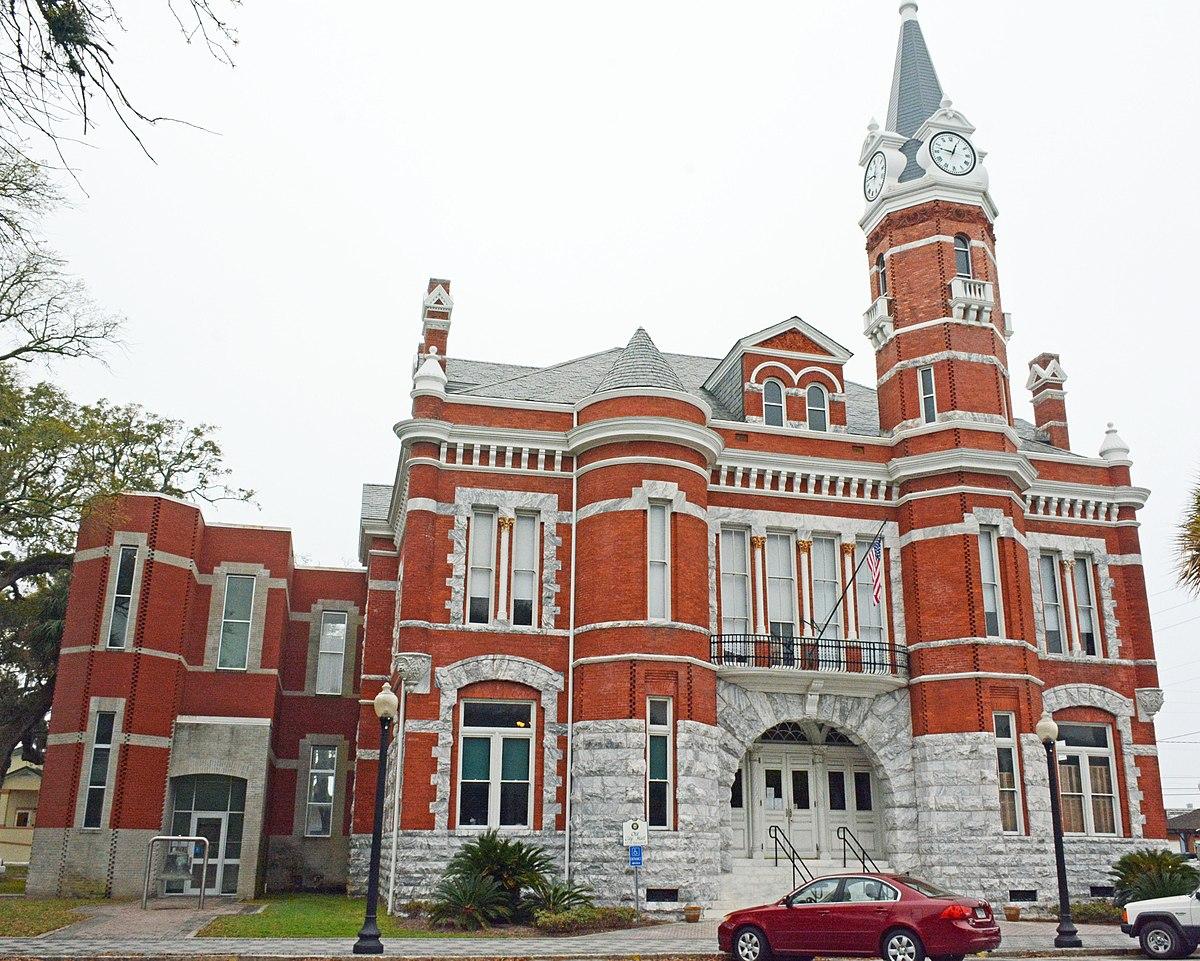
(1167, 610)
(1179, 623)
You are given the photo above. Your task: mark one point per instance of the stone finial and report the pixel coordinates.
(908, 10)
(429, 376)
(1113, 448)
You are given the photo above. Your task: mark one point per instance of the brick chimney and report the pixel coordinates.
(435, 322)
(1046, 379)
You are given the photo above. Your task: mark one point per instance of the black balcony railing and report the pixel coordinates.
(808, 654)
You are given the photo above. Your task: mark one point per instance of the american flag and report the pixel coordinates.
(875, 566)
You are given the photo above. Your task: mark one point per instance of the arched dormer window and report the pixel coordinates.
(818, 407)
(962, 255)
(881, 269)
(773, 410)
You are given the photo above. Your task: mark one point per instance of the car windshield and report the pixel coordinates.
(927, 889)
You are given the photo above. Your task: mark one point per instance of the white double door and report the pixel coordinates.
(807, 795)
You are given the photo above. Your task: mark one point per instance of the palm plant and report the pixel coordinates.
(555, 896)
(469, 901)
(514, 865)
(1152, 873)
(1187, 543)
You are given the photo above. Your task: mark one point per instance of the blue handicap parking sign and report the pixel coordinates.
(635, 855)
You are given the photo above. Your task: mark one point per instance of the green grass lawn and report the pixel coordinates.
(26, 917)
(313, 916)
(12, 881)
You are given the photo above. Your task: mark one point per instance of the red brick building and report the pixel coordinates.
(640, 584)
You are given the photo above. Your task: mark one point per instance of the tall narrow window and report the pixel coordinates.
(818, 407)
(928, 395)
(1005, 727)
(781, 585)
(827, 587)
(881, 270)
(331, 652)
(870, 614)
(989, 566)
(1051, 602)
(235, 622)
(1087, 787)
(97, 782)
(735, 581)
(524, 579)
(322, 770)
(658, 542)
(658, 766)
(494, 764)
(962, 255)
(483, 559)
(118, 625)
(773, 409)
(1085, 605)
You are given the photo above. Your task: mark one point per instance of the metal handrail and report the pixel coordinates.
(846, 836)
(785, 652)
(174, 837)
(800, 870)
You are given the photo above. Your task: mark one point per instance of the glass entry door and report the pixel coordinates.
(211, 826)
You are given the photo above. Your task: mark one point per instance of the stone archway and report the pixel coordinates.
(881, 726)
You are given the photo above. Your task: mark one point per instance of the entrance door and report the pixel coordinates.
(212, 827)
(850, 803)
(785, 800)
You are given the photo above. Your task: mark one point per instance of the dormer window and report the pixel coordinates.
(818, 407)
(881, 269)
(773, 411)
(962, 255)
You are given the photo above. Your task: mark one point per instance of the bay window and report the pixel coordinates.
(658, 762)
(495, 772)
(1087, 781)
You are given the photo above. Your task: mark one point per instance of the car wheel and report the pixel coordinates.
(901, 944)
(750, 944)
(1161, 940)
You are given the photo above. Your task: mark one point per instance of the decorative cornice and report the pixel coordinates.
(619, 430)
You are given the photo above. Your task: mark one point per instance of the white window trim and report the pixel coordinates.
(1063, 638)
(88, 787)
(838, 622)
(1086, 781)
(667, 731)
(743, 576)
(864, 544)
(345, 616)
(994, 532)
(790, 537)
(931, 394)
(1010, 744)
(512, 601)
(490, 566)
(131, 611)
(970, 274)
(496, 737)
(309, 803)
(665, 507)
(782, 405)
(1090, 595)
(808, 408)
(249, 621)
(881, 271)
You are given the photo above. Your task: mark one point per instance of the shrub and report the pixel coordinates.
(1096, 912)
(514, 865)
(1152, 873)
(468, 901)
(579, 920)
(555, 896)
(414, 908)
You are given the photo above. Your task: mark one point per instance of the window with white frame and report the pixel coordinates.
(495, 771)
(658, 762)
(827, 586)
(322, 774)
(870, 615)
(97, 783)
(1086, 778)
(1052, 613)
(331, 652)
(1085, 607)
(817, 401)
(118, 623)
(235, 622)
(658, 549)
(928, 395)
(781, 584)
(989, 567)
(1005, 726)
(773, 408)
(735, 580)
(962, 255)
(881, 270)
(524, 570)
(482, 570)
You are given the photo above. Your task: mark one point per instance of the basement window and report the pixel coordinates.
(662, 895)
(1023, 895)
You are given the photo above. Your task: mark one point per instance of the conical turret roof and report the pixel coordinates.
(640, 364)
(916, 92)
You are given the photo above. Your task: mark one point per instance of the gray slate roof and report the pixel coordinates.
(916, 92)
(376, 499)
(1186, 821)
(640, 364)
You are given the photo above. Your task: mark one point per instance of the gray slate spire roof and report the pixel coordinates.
(916, 92)
(640, 364)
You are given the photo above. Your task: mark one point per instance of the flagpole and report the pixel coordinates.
(852, 579)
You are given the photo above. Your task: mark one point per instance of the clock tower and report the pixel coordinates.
(935, 319)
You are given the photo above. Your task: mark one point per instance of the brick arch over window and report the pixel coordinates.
(1121, 708)
(881, 726)
(497, 667)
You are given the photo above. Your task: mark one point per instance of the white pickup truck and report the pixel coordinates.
(1166, 927)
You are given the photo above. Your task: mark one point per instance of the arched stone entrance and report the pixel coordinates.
(880, 726)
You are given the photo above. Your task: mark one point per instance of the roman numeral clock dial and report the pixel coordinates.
(874, 176)
(954, 154)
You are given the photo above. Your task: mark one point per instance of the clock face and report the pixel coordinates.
(952, 153)
(874, 177)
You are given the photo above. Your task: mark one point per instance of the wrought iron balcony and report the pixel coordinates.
(808, 654)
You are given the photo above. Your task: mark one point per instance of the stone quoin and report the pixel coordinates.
(640, 584)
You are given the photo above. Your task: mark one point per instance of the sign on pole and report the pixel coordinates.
(634, 832)
(635, 855)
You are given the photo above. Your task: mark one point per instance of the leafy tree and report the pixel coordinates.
(1187, 542)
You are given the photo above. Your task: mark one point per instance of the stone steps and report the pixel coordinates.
(758, 881)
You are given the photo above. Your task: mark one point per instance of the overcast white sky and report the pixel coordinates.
(580, 169)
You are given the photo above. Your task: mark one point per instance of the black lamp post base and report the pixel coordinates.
(368, 940)
(1067, 937)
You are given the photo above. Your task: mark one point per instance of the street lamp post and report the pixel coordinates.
(1068, 937)
(368, 942)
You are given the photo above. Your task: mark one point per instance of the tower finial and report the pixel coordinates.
(908, 10)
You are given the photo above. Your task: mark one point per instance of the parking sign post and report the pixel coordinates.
(635, 835)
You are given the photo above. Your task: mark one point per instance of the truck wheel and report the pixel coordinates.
(1160, 939)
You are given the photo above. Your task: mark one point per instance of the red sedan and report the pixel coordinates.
(889, 916)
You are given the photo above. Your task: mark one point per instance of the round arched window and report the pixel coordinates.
(962, 255)
(773, 411)
(818, 407)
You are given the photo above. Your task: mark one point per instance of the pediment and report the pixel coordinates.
(797, 336)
